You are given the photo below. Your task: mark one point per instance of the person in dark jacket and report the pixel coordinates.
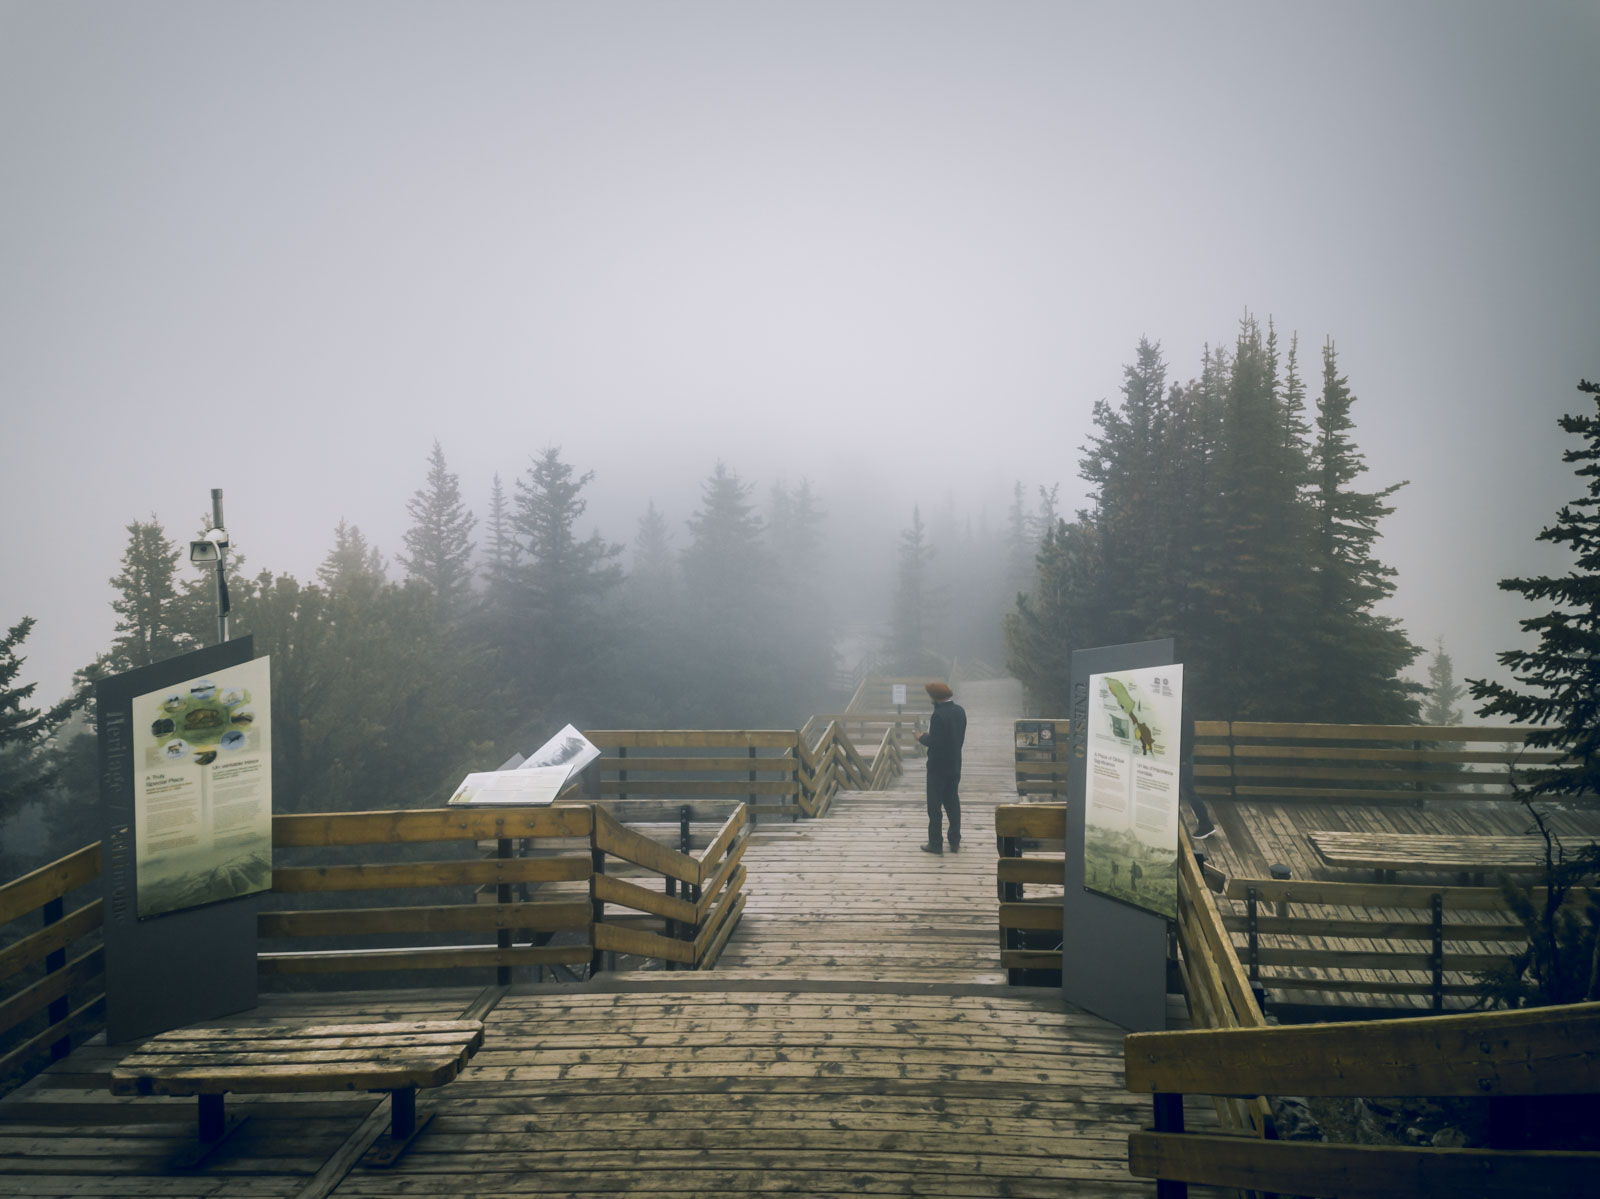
(947, 732)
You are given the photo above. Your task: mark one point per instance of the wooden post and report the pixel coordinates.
(1169, 1118)
(752, 794)
(598, 909)
(1255, 940)
(403, 1113)
(502, 895)
(56, 960)
(1436, 959)
(212, 1121)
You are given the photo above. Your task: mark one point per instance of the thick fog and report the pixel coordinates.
(896, 249)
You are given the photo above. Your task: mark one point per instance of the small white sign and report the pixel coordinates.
(899, 694)
(537, 779)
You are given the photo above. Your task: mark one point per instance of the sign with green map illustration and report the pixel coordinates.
(1130, 845)
(202, 789)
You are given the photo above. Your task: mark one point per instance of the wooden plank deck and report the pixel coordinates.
(856, 1038)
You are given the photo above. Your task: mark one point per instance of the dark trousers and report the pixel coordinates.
(942, 797)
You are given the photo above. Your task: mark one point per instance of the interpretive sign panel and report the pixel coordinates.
(1114, 954)
(537, 779)
(182, 813)
(1130, 849)
(899, 696)
(202, 789)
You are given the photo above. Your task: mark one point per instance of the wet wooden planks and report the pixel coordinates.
(64, 1134)
(918, 1091)
(852, 896)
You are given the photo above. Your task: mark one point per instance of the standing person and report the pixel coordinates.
(1203, 826)
(947, 732)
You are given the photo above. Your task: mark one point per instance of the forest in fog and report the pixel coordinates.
(1227, 511)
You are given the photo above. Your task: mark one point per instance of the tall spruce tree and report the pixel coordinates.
(913, 619)
(150, 626)
(25, 770)
(1556, 684)
(563, 582)
(737, 663)
(1444, 693)
(352, 565)
(438, 543)
(503, 552)
(1354, 653)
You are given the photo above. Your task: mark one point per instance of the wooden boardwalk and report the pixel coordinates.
(856, 1038)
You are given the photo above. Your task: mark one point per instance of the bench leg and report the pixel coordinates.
(212, 1120)
(403, 1128)
(215, 1127)
(403, 1113)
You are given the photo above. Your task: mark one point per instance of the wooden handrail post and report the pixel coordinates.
(54, 961)
(1436, 958)
(502, 895)
(598, 910)
(1255, 941)
(1169, 1118)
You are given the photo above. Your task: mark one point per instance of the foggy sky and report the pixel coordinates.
(897, 248)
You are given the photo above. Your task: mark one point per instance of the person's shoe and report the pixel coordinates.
(1204, 831)
(955, 847)
(926, 848)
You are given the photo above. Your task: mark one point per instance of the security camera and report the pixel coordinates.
(209, 548)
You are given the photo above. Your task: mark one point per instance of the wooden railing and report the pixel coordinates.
(1042, 769)
(1362, 764)
(52, 979)
(777, 772)
(1322, 763)
(564, 886)
(544, 894)
(1218, 992)
(1509, 1058)
(1030, 839)
(1281, 937)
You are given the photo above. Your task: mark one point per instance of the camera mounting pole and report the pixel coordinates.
(222, 577)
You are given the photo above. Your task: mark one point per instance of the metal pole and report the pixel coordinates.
(222, 578)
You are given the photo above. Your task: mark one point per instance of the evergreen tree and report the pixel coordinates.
(916, 603)
(726, 563)
(1355, 654)
(562, 583)
(1439, 705)
(1020, 545)
(654, 570)
(505, 553)
(25, 770)
(731, 591)
(150, 626)
(351, 565)
(1557, 683)
(439, 549)
(1047, 624)
(804, 624)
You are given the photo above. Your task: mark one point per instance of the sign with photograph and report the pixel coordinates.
(1130, 848)
(1036, 734)
(202, 789)
(537, 779)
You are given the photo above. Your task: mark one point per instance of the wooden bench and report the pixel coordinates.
(1386, 853)
(277, 1059)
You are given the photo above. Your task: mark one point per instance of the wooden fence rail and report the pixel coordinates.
(1320, 763)
(1389, 939)
(566, 884)
(1509, 1058)
(52, 979)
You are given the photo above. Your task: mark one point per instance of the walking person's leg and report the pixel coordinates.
(935, 842)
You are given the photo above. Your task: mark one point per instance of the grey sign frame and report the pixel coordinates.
(1113, 955)
(180, 967)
